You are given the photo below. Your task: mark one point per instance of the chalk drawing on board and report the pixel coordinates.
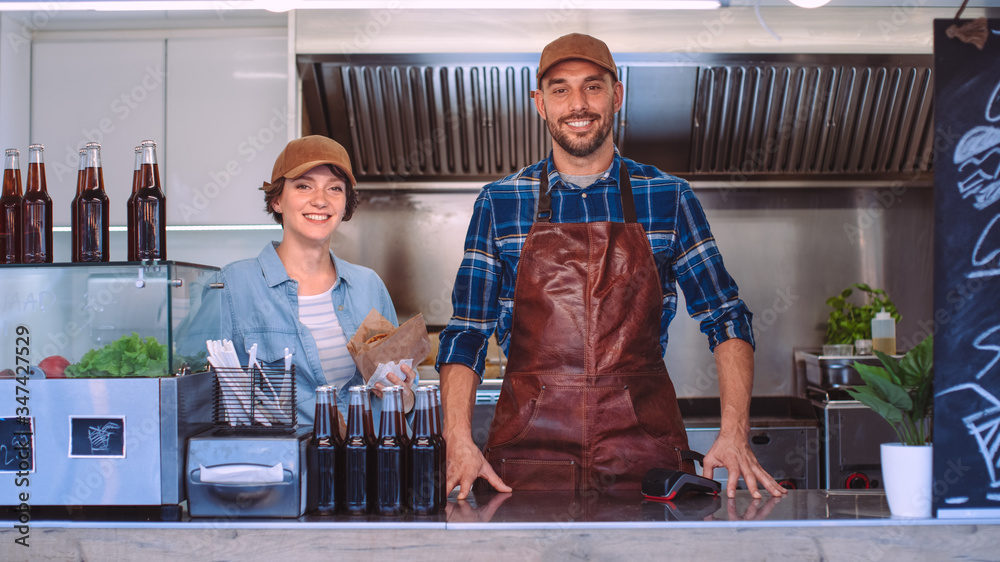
(986, 252)
(978, 158)
(993, 106)
(956, 500)
(984, 426)
(100, 437)
(989, 264)
(981, 344)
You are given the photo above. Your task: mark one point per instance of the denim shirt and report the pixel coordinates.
(260, 306)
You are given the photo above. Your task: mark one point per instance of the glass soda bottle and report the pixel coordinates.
(10, 209)
(324, 455)
(391, 454)
(359, 450)
(91, 210)
(425, 455)
(147, 210)
(130, 203)
(74, 227)
(36, 211)
(437, 430)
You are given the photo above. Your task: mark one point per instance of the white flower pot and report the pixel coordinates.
(907, 475)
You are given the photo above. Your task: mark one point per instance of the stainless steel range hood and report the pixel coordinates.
(745, 119)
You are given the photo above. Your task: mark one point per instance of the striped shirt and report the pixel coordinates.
(684, 252)
(316, 313)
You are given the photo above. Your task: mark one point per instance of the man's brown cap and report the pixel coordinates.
(576, 46)
(304, 154)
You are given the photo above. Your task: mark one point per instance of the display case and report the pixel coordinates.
(106, 381)
(54, 314)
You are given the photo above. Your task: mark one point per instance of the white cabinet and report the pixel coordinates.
(111, 92)
(227, 107)
(216, 106)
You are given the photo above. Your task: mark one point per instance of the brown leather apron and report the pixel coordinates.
(586, 402)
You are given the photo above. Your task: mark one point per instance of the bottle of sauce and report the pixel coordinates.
(36, 211)
(148, 210)
(359, 450)
(324, 456)
(130, 203)
(425, 457)
(74, 226)
(884, 333)
(10, 209)
(91, 210)
(391, 454)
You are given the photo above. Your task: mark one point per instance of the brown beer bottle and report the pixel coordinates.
(325, 456)
(437, 430)
(74, 227)
(425, 457)
(36, 211)
(92, 210)
(10, 209)
(359, 450)
(392, 451)
(148, 211)
(129, 215)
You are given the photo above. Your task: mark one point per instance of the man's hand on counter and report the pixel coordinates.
(465, 464)
(465, 460)
(732, 452)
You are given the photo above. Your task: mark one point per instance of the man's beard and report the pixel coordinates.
(575, 145)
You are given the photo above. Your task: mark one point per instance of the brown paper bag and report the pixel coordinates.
(409, 341)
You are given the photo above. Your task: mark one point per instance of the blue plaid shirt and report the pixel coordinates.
(684, 251)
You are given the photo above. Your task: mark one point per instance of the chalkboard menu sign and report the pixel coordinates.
(17, 444)
(967, 268)
(91, 436)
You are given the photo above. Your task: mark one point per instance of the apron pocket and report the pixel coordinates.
(624, 446)
(511, 420)
(524, 474)
(543, 417)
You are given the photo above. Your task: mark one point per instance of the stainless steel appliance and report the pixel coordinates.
(783, 434)
(109, 442)
(851, 432)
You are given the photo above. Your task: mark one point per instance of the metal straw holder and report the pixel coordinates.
(254, 399)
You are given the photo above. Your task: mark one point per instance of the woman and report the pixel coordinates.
(296, 294)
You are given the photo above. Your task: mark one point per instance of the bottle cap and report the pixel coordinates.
(883, 315)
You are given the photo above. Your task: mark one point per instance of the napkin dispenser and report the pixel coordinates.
(233, 475)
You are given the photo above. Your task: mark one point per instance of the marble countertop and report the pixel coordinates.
(561, 510)
(542, 526)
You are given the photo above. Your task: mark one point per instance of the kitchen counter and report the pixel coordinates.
(806, 524)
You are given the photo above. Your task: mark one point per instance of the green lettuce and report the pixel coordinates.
(129, 356)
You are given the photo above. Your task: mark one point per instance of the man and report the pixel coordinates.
(595, 243)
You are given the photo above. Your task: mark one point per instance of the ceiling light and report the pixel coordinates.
(809, 3)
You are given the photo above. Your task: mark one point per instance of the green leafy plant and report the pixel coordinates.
(128, 356)
(849, 322)
(901, 391)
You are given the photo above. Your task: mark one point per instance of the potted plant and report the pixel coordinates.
(901, 391)
(850, 322)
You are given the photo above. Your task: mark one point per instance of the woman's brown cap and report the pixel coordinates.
(304, 154)
(576, 46)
